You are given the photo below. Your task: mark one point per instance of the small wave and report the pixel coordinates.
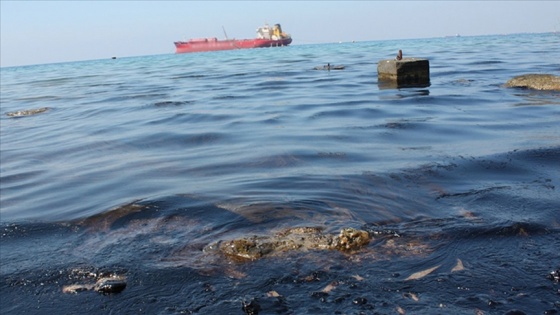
(172, 103)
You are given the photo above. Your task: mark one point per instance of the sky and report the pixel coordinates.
(39, 32)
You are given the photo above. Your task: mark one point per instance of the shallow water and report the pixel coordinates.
(140, 163)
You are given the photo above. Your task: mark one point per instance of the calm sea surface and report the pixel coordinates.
(139, 163)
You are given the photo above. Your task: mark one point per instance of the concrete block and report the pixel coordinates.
(407, 72)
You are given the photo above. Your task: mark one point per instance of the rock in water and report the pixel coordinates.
(27, 112)
(543, 82)
(351, 239)
(104, 284)
(110, 285)
(302, 238)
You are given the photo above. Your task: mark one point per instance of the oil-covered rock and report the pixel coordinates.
(294, 239)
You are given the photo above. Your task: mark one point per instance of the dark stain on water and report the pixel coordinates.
(470, 261)
(171, 103)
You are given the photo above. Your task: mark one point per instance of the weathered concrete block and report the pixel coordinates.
(407, 72)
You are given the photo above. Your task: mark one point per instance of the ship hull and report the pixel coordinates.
(211, 44)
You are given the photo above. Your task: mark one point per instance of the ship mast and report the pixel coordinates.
(223, 28)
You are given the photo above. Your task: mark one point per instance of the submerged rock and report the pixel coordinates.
(104, 283)
(27, 112)
(301, 238)
(543, 82)
(110, 285)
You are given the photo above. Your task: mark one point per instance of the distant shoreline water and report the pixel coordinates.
(305, 43)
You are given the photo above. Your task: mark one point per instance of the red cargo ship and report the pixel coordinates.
(266, 37)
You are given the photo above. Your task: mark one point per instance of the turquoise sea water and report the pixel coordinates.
(238, 143)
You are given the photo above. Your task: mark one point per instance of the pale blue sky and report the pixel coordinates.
(36, 32)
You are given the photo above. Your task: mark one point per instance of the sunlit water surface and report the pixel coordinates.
(140, 163)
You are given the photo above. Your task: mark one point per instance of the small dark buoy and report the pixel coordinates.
(399, 55)
(329, 67)
(114, 58)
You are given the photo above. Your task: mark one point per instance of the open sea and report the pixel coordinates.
(139, 168)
